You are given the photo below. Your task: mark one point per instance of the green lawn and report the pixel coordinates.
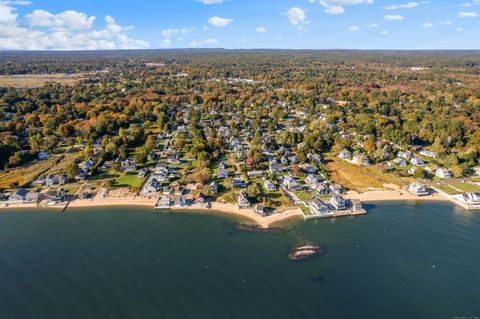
(303, 195)
(466, 187)
(128, 179)
(305, 210)
(448, 189)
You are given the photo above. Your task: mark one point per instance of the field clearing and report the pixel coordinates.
(129, 179)
(21, 176)
(448, 189)
(466, 187)
(38, 80)
(358, 177)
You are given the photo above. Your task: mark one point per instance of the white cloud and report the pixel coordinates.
(261, 29)
(243, 40)
(469, 4)
(7, 15)
(296, 16)
(373, 25)
(68, 30)
(69, 19)
(389, 17)
(219, 21)
(335, 10)
(166, 43)
(203, 43)
(409, 5)
(467, 15)
(427, 25)
(337, 6)
(15, 3)
(447, 22)
(212, 1)
(385, 32)
(459, 30)
(167, 33)
(353, 28)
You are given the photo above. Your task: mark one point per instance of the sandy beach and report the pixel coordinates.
(392, 195)
(113, 201)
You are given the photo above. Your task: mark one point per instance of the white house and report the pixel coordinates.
(291, 183)
(361, 159)
(338, 202)
(242, 201)
(471, 199)
(269, 186)
(427, 153)
(418, 189)
(345, 154)
(417, 161)
(443, 173)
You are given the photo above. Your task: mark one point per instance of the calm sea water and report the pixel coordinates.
(399, 261)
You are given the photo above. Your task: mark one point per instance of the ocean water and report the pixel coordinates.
(402, 260)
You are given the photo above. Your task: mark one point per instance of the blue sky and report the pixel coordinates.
(290, 24)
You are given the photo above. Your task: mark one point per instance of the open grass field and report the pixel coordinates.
(37, 80)
(128, 179)
(466, 187)
(303, 195)
(22, 176)
(447, 189)
(358, 177)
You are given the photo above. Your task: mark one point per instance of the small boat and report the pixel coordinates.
(303, 252)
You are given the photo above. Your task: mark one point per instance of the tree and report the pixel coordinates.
(141, 156)
(72, 170)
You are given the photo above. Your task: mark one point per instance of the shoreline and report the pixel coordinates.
(232, 210)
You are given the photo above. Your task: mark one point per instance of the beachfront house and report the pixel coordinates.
(32, 198)
(418, 189)
(259, 209)
(152, 186)
(269, 186)
(338, 202)
(213, 187)
(164, 201)
(356, 205)
(472, 199)
(199, 199)
(317, 207)
(443, 173)
(18, 196)
(242, 201)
